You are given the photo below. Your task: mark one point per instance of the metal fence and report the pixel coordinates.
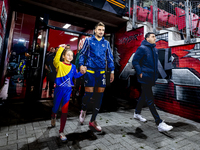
(182, 16)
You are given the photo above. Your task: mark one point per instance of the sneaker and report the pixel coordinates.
(162, 127)
(53, 122)
(139, 117)
(63, 137)
(82, 116)
(93, 125)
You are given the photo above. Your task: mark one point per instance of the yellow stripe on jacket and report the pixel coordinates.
(62, 68)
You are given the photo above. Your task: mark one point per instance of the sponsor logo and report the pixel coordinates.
(104, 81)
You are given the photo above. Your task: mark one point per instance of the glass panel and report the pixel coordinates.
(21, 44)
(37, 61)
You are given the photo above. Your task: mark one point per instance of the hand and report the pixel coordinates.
(83, 69)
(63, 45)
(111, 77)
(141, 75)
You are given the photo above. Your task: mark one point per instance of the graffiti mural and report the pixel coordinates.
(177, 88)
(126, 44)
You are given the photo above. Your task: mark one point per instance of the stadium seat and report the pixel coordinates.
(163, 17)
(180, 13)
(142, 14)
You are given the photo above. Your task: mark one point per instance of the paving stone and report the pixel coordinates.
(9, 147)
(4, 129)
(17, 141)
(3, 141)
(22, 145)
(120, 132)
(92, 147)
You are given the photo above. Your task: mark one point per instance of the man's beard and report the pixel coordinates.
(99, 36)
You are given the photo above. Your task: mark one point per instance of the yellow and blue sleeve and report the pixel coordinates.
(56, 60)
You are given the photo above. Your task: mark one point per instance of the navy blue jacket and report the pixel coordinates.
(95, 53)
(145, 61)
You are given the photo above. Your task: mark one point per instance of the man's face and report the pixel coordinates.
(56, 50)
(99, 31)
(68, 47)
(152, 39)
(52, 50)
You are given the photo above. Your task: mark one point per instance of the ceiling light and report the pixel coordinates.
(69, 33)
(40, 37)
(73, 39)
(21, 40)
(66, 26)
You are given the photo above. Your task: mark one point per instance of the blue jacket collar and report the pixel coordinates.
(96, 39)
(144, 42)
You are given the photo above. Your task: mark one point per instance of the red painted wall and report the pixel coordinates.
(59, 37)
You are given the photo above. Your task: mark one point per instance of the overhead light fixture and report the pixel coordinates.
(21, 40)
(73, 39)
(69, 33)
(40, 37)
(66, 26)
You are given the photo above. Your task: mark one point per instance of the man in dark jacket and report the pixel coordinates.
(145, 62)
(51, 74)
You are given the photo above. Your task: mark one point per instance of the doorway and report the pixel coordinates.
(22, 39)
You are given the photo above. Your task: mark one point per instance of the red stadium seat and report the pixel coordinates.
(180, 13)
(172, 21)
(163, 17)
(142, 14)
(195, 20)
(198, 30)
(150, 16)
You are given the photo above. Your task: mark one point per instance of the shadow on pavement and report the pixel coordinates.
(75, 138)
(138, 134)
(182, 126)
(54, 142)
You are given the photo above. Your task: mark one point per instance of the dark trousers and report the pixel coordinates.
(51, 87)
(147, 95)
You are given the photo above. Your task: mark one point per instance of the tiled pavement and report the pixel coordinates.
(120, 131)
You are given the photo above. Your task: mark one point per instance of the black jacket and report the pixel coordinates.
(145, 61)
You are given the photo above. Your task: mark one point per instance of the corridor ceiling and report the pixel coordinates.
(75, 12)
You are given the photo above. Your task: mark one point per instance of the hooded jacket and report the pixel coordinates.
(145, 61)
(95, 53)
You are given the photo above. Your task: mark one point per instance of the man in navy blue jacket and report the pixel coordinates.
(145, 62)
(96, 50)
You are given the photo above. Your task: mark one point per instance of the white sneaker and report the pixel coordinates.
(82, 116)
(162, 127)
(63, 137)
(139, 117)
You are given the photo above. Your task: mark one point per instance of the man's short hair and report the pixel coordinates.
(147, 35)
(99, 24)
(68, 45)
